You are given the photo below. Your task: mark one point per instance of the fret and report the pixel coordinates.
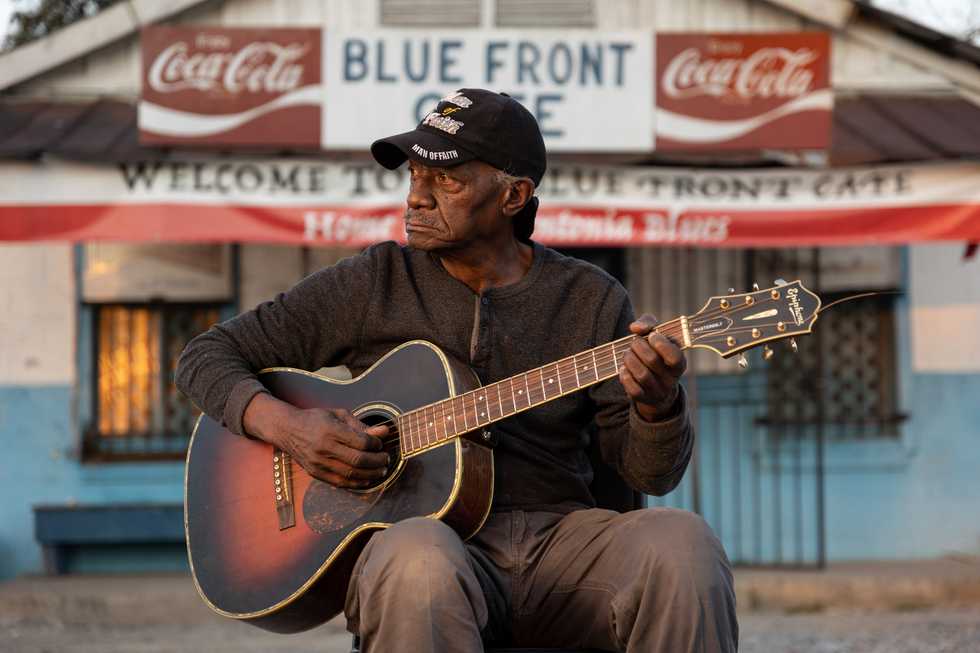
(578, 381)
(404, 431)
(551, 386)
(500, 403)
(527, 388)
(544, 393)
(619, 355)
(558, 374)
(431, 428)
(495, 389)
(534, 386)
(439, 419)
(462, 403)
(488, 389)
(432, 431)
(401, 426)
(603, 373)
(405, 438)
(517, 392)
(582, 367)
(417, 436)
(453, 422)
(504, 397)
(476, 411)
(485, 412)
(408, 444)
(457, 422)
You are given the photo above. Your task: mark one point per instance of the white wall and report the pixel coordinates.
(37, 315)
(944, 290)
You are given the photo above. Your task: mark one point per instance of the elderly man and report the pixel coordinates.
(548, 568)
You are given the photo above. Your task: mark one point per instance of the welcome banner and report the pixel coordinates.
(313, 202)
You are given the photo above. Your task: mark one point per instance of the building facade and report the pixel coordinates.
(860, 446)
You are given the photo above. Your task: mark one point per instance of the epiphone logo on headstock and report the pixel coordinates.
(794, 305)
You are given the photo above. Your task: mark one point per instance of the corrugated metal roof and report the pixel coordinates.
(866, 129)
(924, 35)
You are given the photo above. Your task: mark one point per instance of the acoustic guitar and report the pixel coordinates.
(273, 546)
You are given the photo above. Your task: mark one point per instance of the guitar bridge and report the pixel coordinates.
(283, 478)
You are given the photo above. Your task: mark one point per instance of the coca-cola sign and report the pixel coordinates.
(227, 86)
(743, 91)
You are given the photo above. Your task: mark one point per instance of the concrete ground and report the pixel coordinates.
(932, 631)
(914, 607)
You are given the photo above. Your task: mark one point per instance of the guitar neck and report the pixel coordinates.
(435, 424)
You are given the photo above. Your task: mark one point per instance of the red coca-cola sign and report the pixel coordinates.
(743, 91)
(228, 86)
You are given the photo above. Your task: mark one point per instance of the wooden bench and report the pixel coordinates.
(62, 530)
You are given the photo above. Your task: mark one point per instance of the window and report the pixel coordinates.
(430, 13)
(844, 375)
(142, 303)
(137, 411)
(505, 13)
(545, 13)
(843, 378)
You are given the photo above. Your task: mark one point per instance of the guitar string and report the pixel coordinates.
(609, 353)
(617, 347)
(564, 368)
(443, 409)
(393, 440)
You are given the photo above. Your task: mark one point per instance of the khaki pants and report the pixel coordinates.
(648, 580)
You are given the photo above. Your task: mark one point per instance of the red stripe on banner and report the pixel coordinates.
(354, 226)
(556, 225)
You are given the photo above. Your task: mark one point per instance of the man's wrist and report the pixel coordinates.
(264, 418)
(659, 412)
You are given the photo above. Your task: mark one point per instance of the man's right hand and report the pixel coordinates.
(329, 443)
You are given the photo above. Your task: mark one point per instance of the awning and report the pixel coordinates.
(318, 202)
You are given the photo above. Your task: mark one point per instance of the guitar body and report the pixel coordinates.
(284, 563)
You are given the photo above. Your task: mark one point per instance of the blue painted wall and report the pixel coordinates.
(40, 465)
(917, 495)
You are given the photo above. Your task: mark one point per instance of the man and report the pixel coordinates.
(547, 568)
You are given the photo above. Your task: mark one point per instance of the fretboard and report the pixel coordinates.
(437, 423)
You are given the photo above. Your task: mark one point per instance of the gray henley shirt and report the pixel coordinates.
(356, 311)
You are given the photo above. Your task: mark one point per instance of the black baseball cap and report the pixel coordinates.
(471, 124)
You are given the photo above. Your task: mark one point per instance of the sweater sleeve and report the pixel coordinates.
(650, 456)
(313, 324)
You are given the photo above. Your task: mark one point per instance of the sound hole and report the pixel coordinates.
(391, 443)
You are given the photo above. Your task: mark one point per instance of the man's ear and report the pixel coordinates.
(517, 196)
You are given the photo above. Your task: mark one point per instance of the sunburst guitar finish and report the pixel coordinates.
(280, 555)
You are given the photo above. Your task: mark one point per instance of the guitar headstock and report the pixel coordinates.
(730, 324)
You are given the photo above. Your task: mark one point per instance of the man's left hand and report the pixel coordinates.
(651, 370)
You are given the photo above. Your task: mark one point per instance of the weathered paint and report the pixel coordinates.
(40, 465)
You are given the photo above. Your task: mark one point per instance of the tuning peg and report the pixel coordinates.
(743, 361)
(755, 286)
(731, 291)
(767, 353)
(780, 282)
(793, 345)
